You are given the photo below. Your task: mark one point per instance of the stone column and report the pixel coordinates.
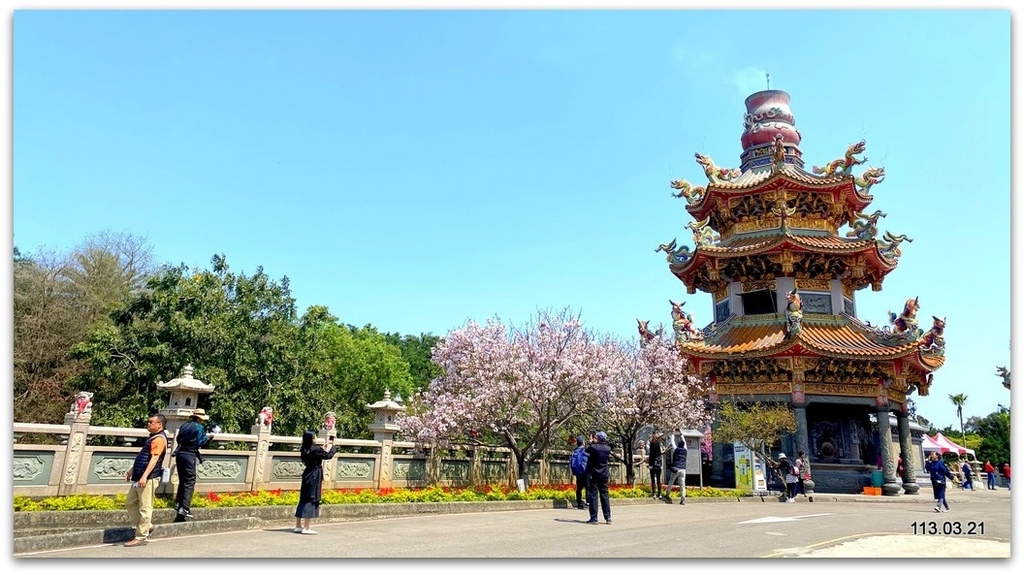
(889, 485)
(262, 432)
(910, 486)
(800, 411)
(74, 452)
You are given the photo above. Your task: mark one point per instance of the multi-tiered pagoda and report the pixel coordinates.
(783, 252)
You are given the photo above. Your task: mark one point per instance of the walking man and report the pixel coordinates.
(145, 477)
(654, 463)
(598, 454)
(990, 474)
(677, 445)
(191, 437)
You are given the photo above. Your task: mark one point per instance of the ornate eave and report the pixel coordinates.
(834, 336)
(760, 257)
(722, 196)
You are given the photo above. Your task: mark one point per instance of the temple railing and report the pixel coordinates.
(77, 458)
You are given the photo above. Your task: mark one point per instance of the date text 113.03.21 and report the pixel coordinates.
(948, 527)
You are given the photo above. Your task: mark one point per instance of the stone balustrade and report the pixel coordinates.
(77, 458)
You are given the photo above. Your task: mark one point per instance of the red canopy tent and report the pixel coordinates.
(928, 444)
(945, 445)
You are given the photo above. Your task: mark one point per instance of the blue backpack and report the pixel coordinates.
(578, 461)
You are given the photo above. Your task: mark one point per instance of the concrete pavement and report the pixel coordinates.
(832, 526)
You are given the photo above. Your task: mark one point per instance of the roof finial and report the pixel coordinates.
(767, 79)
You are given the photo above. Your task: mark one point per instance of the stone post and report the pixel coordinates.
(74, 453)
(384, 428)
(261, 429)
(910, 486)
(889, 485)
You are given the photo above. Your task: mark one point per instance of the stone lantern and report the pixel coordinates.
(384, 428)
(184, 398)
(385, 410)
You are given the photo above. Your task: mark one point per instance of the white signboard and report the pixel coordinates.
(749, 469)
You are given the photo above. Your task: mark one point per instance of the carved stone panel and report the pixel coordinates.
(354, 469)
(722, 311)
(816, 302)
(410, 469)
(110, 468)
(848, 308)
(494, 471)
(452, 470)
(218, 469)
(33, 468)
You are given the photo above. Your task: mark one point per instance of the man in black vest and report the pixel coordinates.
(145, 477)
(598, 454)
(191, 437)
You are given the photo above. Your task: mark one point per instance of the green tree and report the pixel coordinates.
(58, 299)
(241, 335)
(758, 426)
(959, 400)
(237, 331)
(994, 430)
(417, 352)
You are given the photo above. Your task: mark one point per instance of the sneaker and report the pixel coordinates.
(135, 543)
(607, 521)
(682, 501)
(188, 515)
(946, 510)
(937, 510)
(592, 522)
(297, 530)
(308, 532)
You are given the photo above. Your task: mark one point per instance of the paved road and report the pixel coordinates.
(701, 529)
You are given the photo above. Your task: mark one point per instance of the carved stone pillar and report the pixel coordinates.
(800, 411)
(889, 485)
(74, 454)
(910, 486)
(259, 476)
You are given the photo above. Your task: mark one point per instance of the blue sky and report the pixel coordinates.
(413, 170)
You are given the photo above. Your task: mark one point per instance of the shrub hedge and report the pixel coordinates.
(565, 492)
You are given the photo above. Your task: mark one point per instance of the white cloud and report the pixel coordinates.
(750, 80)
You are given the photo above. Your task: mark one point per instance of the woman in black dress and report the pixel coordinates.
(313, 457)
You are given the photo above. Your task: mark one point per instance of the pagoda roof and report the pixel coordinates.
(834, 336)
(755, 177)
(750, 245)
(757, 243)
(789, 177)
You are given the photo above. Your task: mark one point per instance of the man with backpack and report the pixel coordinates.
(578, 466)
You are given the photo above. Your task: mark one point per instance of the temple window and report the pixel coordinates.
(759, 301)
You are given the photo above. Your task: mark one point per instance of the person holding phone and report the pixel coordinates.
(190, 437)
(313, 457)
